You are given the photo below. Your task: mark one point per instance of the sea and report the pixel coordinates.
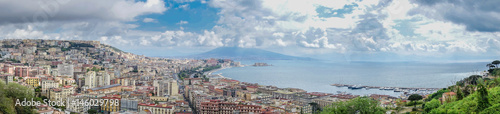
(317, 76)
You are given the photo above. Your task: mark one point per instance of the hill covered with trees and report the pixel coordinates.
(475, 94)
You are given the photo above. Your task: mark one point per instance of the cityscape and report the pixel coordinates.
(249, 57)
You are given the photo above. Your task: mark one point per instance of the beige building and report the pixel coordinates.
(55, 94)
(46, 85)
(156, 108)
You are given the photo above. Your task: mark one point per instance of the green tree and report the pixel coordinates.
(361, 105)
(495, 109)
(92, 111)
(496, 62)
(9, 93)
(414, 98)
(315, 107)
(434, 103)
(460, 95)
(483, 102)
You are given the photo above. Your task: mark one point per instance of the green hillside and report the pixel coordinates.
(474, 94)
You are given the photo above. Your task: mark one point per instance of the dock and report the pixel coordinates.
(395, 89)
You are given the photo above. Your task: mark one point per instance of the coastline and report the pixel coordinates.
(209, 73)
(333, 90)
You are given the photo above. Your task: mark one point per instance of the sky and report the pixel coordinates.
(378, 30)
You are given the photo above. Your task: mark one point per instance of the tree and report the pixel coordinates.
(496, 62)
(434, 103)
(414, 98)
(460, 95)
(361, 105)
(483, 102)
(490, 66)
(315, 107)
(92, 111)
(8, 95)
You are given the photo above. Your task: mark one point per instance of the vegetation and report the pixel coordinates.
(92, 111)
(474, 94)
(414, 98)
(209, 68)
(315, 107)
(360, 105)
(12, 60)
(9, 93)
(434, 103)
(77, 45)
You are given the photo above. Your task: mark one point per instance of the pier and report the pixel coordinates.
(395, 89)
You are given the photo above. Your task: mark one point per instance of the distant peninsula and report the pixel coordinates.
(237, 53)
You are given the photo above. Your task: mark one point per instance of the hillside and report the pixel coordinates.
(475, 94)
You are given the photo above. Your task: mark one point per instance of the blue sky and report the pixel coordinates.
(198, 16)
(378, 30)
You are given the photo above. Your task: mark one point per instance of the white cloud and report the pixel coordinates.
(182, 22)
(149, 20)
(183, 1)
(185, 6)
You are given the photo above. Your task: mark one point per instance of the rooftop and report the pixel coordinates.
(105, 87)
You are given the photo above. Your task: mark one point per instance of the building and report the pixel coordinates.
(325, 101)
(103, 78)
(44, 109)
(156, 108)
(105, 89)
(173, 88)
(448, 96)
(165, 87)
(74, 106)
(46, 85)
(67, 91)
(112, 104)
(9, 69)
(218, 107)
(33, 81)
(7, 78)
(229, 92)
(90, 79)
(156, 98)
(22, 72)
(55, 94)
(128, 104)
(65, 70)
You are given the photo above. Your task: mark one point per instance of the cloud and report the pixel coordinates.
(403, 27)
(149, 20)
(476, 16)
(26, 11)
(183, 1)
(185, 6)
(182, 22)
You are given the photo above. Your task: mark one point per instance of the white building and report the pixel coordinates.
(65, 70)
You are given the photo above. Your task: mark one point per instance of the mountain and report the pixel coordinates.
(237, 53)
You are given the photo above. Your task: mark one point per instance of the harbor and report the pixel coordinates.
(395, 89)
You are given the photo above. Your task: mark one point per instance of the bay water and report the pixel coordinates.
(316, 76)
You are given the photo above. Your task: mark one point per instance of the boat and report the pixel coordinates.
(355, 87)
(386, 88)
